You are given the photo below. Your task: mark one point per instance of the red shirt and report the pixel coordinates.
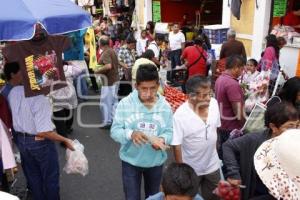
(292, 20)
(191, 54)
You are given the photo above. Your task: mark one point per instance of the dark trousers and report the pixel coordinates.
(3, 179)
(223, 136)
(40, 159)
(175, 58)
(132, 178)
(93, 80)
(63, 121)
(15, 139)
(208, 183)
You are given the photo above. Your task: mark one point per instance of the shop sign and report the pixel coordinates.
(156, 11)
(279, 8)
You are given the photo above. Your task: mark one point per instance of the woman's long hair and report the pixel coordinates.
(272, 42)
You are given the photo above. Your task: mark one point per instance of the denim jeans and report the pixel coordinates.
(81, 86)
(108, 103)
(132, 178)
(175, 58)
(40, 160)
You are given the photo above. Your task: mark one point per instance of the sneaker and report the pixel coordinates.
(108, 126)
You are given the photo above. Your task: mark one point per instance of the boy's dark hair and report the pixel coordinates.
(253, 61)
(159, 37)
(196, 82)
(279, 113)
(149, 54)
(147, 72)
(272, 42)
(290, 90)
(180, 179)
(11, 68)
(233, 61)
(130, 39)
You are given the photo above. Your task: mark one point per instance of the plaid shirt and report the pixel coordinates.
(127, 57)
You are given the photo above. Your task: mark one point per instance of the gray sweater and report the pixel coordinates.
(238, 159)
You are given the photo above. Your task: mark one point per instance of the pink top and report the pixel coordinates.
(7, 154)
(268, 58)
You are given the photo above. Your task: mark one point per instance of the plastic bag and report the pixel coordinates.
(227, 192)
(76, 163)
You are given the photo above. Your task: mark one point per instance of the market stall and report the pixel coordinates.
(286, 24)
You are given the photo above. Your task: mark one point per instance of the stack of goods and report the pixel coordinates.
(287, 32)
(175, 97)
(217, 34)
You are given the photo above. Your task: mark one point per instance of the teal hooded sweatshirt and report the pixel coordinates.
(131, 115)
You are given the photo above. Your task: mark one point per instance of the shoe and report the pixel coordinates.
(108, 126)
(69, 131)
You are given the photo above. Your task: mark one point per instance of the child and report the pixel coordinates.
(179, 182)
(251, 72)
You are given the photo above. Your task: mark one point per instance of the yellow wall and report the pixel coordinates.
(247, 44)
(245, 24)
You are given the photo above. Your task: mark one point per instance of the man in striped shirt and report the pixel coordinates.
(34, 131)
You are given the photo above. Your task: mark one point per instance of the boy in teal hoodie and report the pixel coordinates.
(143, 127)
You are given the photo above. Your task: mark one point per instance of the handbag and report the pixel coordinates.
(255, 122)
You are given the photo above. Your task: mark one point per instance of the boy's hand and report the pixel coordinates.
(139, 138)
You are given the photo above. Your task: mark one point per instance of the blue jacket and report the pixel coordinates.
(131, 115)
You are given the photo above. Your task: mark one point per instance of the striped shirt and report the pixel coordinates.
(31, 115)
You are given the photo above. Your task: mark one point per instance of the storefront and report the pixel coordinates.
(257, 19)
(284, 23)
(170, 11)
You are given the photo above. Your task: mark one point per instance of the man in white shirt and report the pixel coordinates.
(195, 134)
(141, 43)
(154, 46)
(176, 45)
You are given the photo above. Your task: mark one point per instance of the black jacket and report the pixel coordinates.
(238, 157)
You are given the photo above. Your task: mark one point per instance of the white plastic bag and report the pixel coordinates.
(76, 163)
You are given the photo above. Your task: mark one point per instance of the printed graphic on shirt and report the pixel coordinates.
(148, 128)
(42, 70)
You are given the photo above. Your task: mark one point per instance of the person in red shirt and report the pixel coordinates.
(293, 18)
(184, 21)
(195, 58)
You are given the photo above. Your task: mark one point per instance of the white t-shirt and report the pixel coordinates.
(141, 46)
(198, 139)
(154, 47)
(175, 40)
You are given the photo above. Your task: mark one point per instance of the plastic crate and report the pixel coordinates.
(177, 76)
(216, 36)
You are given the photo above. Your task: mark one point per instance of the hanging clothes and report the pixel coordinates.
(236, 8)
(76, 52)
(90, 43)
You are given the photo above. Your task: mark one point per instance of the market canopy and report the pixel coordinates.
(18, 18)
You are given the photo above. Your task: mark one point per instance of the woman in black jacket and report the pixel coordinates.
(238, 153)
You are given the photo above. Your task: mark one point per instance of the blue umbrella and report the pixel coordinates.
(18, 18)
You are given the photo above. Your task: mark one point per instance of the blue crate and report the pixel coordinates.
(216, 36)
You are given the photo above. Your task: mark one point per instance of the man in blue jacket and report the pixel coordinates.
(143, 126)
